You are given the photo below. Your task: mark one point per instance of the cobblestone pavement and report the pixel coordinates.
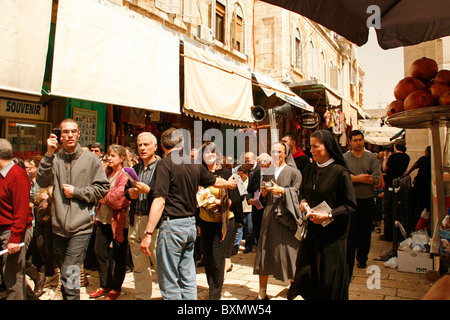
(242, 284)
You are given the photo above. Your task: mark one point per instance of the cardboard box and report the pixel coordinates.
(413, 261)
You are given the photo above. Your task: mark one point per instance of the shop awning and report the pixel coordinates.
(216, 89)
(317, 94)
(106, 53)
(24, 37)
(271, 86)
(378, 134)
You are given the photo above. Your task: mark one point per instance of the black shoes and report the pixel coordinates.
(362, 265)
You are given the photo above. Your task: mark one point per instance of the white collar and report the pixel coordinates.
(278, 170)
(326, 163)
(6, 169)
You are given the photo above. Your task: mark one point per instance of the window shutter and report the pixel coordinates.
(293, 52)
(169, 6)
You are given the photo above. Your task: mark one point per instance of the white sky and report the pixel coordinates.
(383, 70)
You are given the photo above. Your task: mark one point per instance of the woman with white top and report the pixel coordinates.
(277, 246)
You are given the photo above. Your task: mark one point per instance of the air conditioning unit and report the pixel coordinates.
(204, 34)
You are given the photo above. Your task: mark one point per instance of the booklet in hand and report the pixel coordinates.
(131, 174)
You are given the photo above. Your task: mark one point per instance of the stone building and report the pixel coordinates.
(226, 57)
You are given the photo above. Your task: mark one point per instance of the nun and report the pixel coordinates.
(277, 248)
(321, 272)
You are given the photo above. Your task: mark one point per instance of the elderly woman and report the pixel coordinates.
(321, 266)
(277, 246)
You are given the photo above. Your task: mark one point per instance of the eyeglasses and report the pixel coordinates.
(65, 131)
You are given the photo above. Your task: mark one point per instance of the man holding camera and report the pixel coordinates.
(79, 181)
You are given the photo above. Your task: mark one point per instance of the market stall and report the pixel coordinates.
(433, 118)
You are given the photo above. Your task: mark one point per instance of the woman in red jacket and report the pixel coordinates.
(111, 231)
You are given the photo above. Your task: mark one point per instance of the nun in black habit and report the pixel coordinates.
(321, 271)
(277, 248)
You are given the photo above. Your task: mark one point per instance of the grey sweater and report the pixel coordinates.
(367, 164)
(84, 171)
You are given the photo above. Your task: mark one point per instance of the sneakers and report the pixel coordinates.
(99, 292)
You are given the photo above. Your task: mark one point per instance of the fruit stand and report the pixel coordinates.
(432, 118)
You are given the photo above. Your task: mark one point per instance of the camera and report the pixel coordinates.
(268, 184)
(57, 133)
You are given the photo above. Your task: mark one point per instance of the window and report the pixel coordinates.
(220, 22)
(297, 50)
(345, 80)
(237, 30)
(322, 67)
(334, 80)
(312, 61)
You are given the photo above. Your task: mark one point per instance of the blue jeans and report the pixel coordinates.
(175, 259)
(246, 232)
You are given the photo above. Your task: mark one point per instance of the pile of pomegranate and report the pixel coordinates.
(425, 87)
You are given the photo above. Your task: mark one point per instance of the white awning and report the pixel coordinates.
(271, 86)
(106, 53)
(24, 36)
(216, 89)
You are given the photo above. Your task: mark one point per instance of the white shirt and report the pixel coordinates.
(278, 170)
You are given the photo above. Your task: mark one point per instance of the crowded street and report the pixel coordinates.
(242, 284)
(225, 151)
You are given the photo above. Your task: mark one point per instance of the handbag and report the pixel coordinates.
(43, 205)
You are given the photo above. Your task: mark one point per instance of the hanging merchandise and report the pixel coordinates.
(337, 122)
(137, 117)
(327, 117)
(331, 119)
(124, 114)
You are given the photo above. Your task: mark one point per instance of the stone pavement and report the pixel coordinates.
(242, 284)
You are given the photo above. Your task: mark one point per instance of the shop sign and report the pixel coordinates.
(310, 120)
(22, 109)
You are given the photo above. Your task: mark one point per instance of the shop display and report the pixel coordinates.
(87, 123)
(425, 87)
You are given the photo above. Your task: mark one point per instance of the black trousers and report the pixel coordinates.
(69, 255)
(111, 257)
(359, 237)
(214, 253)
(388, 214)
(44, 243)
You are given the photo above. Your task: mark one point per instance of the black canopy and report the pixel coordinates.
(402, 23)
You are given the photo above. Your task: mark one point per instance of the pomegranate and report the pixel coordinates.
(394, 107)
(437, 89)
(444, 99)
(424, 68)
(418, 99)
(443, 76)
(407, 85)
